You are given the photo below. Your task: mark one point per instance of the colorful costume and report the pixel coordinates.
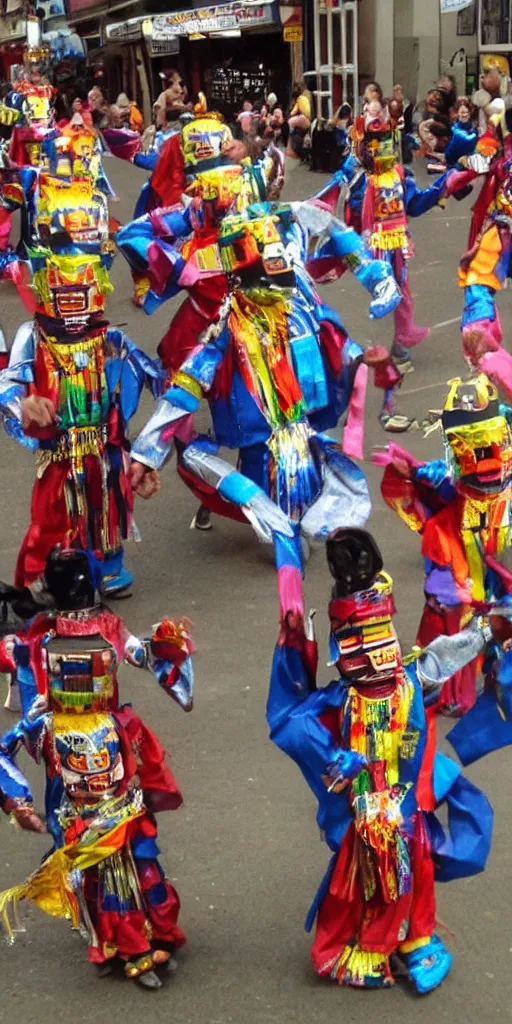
(254, 339)
(105, 772)
(485, 266)
(381, 200)
(462, 507)
(90, 375)
(25, 119)
(364, 747)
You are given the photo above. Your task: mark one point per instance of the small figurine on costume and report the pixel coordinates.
(383, 198)
(106, 775)
(366, 751)
(462, 508)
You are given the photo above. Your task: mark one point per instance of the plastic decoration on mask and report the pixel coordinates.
(363, 641)
(251, 245)
(71, 214)
(374, 139)
(77, 151)
(477, 436)
(203, 141)
(72, 290)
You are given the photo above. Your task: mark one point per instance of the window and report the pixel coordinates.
(495, 24)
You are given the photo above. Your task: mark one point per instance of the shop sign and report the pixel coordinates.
(124, 31)
(293, 34)
(449, 6)
(215, 19)
(159, 43)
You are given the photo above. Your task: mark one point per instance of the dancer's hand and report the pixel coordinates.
(37, 411)
(144, 481)
(477, 342)
(27, 819)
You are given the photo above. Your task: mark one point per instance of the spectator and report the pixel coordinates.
(407, 109)
(128, 113)
(98, 107)
(299, 120)
(301, 112)
(175, 94)
(372, 92)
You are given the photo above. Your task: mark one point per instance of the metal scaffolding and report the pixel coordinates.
(335, 26)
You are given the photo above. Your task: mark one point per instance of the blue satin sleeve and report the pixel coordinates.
(13, 784)
(462, 143)
(421, 200)
(147, 161)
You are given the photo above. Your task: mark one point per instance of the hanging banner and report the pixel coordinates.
(215, 19)
(451, 6)
(124, 31)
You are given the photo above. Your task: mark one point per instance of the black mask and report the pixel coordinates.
(69, 579)
(354, 561)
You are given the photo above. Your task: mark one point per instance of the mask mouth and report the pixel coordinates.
(70, 301)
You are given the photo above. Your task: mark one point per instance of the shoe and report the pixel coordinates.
(149, 980)
(395, 423)
(115, 586)
(115, 579)
(403, 364)
(202, 519)
(105, 969)
(428, 966)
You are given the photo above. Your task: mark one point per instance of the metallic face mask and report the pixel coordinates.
(363, 640)
(478, 438)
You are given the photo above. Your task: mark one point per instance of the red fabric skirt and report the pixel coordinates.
(378, 927)
(97, 519)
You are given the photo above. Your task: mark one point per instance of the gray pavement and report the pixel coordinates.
(244, 850)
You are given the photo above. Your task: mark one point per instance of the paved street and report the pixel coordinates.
(244, 850)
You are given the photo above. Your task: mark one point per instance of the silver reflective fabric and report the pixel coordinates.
(448, 654)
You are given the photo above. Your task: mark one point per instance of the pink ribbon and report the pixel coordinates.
(353, 434)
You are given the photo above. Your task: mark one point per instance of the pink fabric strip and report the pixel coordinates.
(159, 266)
(353, 434)
(498, 367)
(20, 276)
(392, 451)
(289, 589)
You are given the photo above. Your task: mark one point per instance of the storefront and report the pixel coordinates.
(13, 35)
(494, 29)
(230, 51)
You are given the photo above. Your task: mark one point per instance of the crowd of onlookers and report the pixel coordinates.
(263, 119)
